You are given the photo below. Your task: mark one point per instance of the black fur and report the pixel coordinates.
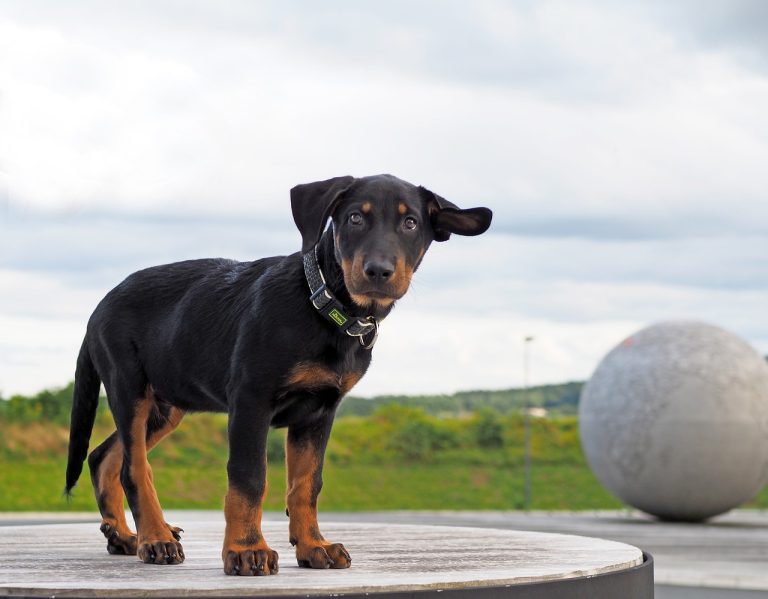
(86, 400)
(220, 335)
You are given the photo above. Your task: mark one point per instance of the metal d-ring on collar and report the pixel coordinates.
(332, 309)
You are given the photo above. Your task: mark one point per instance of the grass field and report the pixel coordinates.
(38, 486)
(395, 459)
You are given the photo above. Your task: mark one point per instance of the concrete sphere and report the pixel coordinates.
(674, 421)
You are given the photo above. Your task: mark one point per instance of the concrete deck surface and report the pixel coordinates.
(725, 557)
(61, 558)
(730, 551)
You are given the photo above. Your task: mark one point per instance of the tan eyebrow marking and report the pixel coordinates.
(402, 208)
(366, 207)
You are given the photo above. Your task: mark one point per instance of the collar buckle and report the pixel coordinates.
(374, 331)
(320, 302)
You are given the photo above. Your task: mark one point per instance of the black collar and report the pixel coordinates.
(326, 303)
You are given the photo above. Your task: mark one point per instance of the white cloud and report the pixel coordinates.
(42, 323)
(622, 148)
(428, 351)
(466, 331)
(211, 119)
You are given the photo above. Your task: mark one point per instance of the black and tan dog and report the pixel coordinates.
(275, 342)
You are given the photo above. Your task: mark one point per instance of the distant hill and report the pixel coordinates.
(559, 399)
(563, 399)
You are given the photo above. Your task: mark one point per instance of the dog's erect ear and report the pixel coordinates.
(312, 204)
(448, 218)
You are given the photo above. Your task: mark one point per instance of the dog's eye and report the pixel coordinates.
(356, 218)
(410, 223)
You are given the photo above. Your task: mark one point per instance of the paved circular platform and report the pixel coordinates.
(397, 560)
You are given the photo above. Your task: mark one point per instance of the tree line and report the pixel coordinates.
(54, 405)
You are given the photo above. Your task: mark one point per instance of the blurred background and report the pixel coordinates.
(622, 146)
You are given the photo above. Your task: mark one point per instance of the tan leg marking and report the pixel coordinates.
(245, 552)
(109, 491)
(156, 542)
(312, 550)
(108, 487)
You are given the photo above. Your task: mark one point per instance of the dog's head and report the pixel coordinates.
(382, 227)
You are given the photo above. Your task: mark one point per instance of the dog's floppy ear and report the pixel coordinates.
(448, 218)
(312, 204)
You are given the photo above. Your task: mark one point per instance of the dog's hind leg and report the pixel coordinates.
(105, 463)
(156, 541)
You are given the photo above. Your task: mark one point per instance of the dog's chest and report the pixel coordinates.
(314, 386)
(336, 368)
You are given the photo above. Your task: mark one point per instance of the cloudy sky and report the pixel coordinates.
(622, 146)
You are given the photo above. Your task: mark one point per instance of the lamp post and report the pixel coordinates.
(526, 426)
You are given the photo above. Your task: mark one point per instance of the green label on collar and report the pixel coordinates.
(337, 317)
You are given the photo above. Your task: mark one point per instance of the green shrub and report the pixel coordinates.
(488, 428)
(276, 446)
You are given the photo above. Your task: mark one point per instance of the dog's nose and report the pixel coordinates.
(378, 271)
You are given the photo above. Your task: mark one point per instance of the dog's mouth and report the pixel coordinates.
(378, 295)
(368, 298)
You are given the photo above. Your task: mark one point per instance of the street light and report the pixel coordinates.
(526, 426)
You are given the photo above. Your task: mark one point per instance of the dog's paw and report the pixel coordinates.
(119, 542)
(256, 561)
(160, 551)
(323, 556)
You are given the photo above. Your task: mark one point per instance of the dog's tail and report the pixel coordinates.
(85, 401)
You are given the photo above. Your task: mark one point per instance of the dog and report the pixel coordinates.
(276, 342)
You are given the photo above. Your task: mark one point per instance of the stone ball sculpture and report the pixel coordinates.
(674, 421)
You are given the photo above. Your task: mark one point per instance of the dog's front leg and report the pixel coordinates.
(245, 552)
(305, 449)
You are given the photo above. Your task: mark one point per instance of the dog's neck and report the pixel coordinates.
(334, 278)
